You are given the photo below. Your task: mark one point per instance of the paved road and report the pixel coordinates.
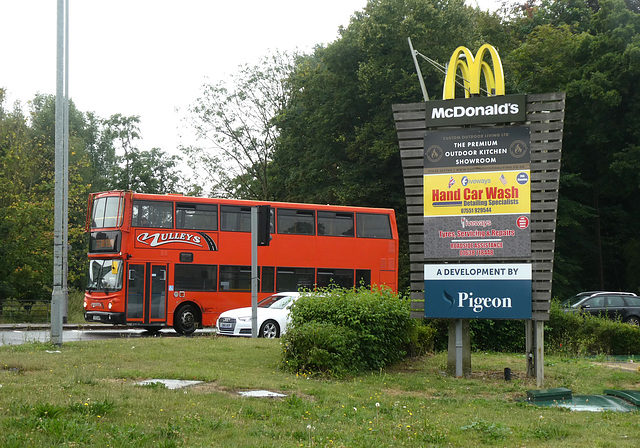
(25, 333)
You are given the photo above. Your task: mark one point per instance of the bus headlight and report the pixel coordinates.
(85, 304)
(110, 305)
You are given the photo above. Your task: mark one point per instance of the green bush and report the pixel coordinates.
(498, 335)
(342, 331)
(486, 335)
(76, 307)
(321, 347)
(421, 338)
(584, 334)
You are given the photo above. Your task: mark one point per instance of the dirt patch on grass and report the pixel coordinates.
(497, 375)
(627, 366)
(407, 365)
(215, 388)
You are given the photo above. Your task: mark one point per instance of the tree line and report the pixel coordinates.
(318, 127)
(103, 155)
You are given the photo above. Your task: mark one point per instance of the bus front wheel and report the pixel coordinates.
(185, 320)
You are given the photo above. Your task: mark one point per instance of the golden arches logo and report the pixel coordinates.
(472, 70)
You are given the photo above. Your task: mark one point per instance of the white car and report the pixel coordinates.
(273, 316)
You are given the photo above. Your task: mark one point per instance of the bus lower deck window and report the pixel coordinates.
(293, 279)
(235, 278)
(196, 277)
(335, 277)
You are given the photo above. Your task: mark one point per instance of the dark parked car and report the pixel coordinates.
(614, 305)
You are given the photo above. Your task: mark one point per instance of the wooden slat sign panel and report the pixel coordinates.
(544, 126)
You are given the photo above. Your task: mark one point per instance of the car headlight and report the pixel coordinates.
(244, 319)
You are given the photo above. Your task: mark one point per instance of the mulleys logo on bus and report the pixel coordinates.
(159, 239)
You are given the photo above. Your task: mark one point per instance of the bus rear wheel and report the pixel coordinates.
(185, 320)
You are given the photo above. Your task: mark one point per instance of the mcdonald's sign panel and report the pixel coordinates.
(476, 110)
(477, 193)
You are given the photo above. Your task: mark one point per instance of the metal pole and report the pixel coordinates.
(254, 272)
(425, 95)
(56, 296)
(65, 183)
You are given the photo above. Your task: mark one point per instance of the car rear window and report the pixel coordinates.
(633, 301)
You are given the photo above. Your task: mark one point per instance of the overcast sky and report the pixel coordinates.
(150, 57)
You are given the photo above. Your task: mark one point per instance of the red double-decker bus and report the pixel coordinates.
(173, 260)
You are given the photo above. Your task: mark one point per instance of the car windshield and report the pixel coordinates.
(105, 275)
(276, 302)
(574, 299)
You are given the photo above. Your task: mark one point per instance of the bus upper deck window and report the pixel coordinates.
(197, 216)
(107, 212)
(296, 222)
(335, 223)
(235, 218)
(156, 214)
(369, 225)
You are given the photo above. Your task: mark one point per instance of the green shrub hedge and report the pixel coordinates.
(584, 334)
(570, 333)
(343, 331)
(486, 335)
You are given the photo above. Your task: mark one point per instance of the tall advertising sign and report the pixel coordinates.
(477, 198)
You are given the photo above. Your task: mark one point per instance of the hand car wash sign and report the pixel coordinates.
(477, 193)
(477, 198)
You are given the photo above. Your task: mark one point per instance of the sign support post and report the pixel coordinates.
(458, 348)
(529, 343)
(539, 358)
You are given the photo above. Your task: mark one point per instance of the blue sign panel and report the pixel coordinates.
(477, 291)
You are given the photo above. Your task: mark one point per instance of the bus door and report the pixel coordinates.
(147, 293)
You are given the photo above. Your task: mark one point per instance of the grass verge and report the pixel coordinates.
(85, 395)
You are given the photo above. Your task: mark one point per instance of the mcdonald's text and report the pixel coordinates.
(476, 110)
(493, 110)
